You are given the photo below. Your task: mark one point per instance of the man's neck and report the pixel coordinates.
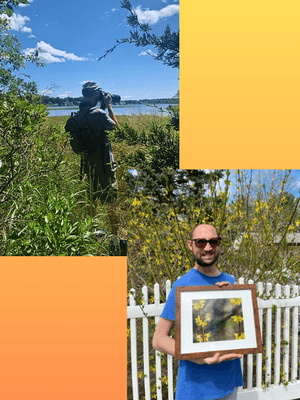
(212, 270)
(90, 100)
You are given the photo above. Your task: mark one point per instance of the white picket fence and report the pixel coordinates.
(284, 329)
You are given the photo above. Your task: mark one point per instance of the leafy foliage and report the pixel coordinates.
(154, 146)
(6, 6)
(44, 223)
(166, 45)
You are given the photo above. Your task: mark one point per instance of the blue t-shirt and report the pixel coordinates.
(203, 382)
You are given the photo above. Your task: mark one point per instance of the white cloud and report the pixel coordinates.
(48, 54)
(147, 53)
(153, 16)
(26, 29)
(17, 21)
(31, 36)
(25, 5)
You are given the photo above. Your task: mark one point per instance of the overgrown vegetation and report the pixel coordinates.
(45, 209)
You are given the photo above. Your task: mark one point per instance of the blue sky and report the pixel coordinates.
(293, 185)
(73, 35)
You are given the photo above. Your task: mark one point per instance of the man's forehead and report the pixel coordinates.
(205, 231)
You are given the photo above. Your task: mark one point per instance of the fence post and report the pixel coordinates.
(146, 347)
(250, 362)
(133, 343)
(277, 337)
(260, 290)
(169, 357)
(295, 336)
(286, 338)
(268, 339)
(157, 353)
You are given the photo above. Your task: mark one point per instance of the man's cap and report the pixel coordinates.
(90, 86)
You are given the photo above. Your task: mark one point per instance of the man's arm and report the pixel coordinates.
(165, 344)
(107, 102)
(161, 339)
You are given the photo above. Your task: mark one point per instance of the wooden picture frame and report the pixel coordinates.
(211, 319)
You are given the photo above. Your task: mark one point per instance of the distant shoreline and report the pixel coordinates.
(114, 105)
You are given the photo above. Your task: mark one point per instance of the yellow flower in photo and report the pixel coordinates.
(207, 336)
(199, 304)
(202, 303)
(237, 318)
(207, 317)
(199, 338)
(200, 322)
(236, 302)
(239, 337)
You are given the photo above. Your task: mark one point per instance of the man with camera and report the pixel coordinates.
(216, 377)
(99, 167)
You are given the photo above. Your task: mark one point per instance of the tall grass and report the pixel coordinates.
(51, 213)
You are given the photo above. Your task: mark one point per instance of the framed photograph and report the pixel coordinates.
(211, 319)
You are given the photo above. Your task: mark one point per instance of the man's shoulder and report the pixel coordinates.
(195, 278)
(96, 111)
(186, 279)
(227, 277)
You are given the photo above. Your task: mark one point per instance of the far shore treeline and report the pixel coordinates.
(74, 101)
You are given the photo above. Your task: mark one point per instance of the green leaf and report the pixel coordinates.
(9, 10)
(26, 121)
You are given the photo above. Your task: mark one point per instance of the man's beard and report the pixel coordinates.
(202, 263)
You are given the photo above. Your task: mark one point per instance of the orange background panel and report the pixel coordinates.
(239, 84)
(63, 328)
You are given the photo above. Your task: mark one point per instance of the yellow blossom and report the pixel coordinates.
(207, 317)
(239, 337)
(199, 338)
(237, 318)
(200, 322)
(237, 301)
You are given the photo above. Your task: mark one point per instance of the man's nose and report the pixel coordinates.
(209, 246)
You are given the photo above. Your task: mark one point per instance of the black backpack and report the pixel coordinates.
(82, 138)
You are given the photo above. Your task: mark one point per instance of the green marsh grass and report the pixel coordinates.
(51, 214)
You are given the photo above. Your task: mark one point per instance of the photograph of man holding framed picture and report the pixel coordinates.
(216, 373)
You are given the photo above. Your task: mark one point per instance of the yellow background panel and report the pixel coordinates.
(63, 328)
(239, 84)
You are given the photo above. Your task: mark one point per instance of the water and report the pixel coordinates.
(118, 110)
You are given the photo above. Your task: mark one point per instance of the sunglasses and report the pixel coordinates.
(201, 243)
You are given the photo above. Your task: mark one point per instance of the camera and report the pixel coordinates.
(115, 98)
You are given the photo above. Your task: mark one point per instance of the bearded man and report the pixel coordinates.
(207, 378)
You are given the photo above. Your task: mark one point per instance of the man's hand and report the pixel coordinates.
(107, 100)
(216, 359)
(220, 284)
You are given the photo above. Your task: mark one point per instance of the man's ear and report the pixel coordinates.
(189, 243)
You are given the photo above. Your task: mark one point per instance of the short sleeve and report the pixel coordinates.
(169, 308)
